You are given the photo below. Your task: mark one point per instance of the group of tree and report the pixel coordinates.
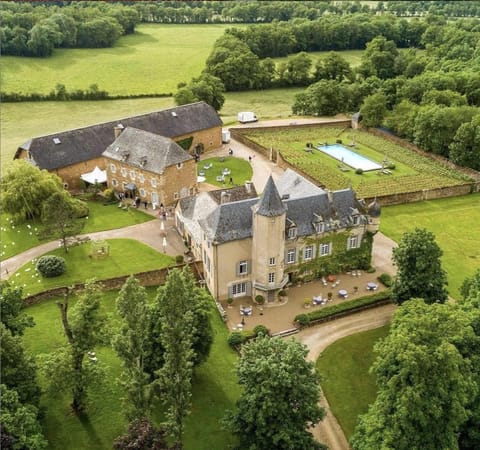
(30, 29)
(19, 389)
(428, 367)
(29, 193)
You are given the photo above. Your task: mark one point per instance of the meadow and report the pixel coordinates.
(412, 171)
(215, 389)
(454, 222)
(152, 61)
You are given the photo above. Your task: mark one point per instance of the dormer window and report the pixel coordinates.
(56, 141)
(319, 227)
(356, 220)
(179, 165)
(292, 233)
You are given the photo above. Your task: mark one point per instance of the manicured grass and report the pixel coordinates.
(455, 224)
(126, 256)
(353, 57)
(346, 382)
(412, 171)
(153, 60)
(240, 170)
(15, 239)
(214, 390)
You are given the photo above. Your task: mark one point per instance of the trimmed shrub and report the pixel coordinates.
(359, 171)
(235, 339)
(342, 307)
(80, 207)
(303, 320)
(261, 330)
(391, 166)
(385, 279)
(371, 269)
(179, 259)
(260, 299)
(51, 266)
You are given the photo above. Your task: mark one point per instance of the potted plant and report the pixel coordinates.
(330, 295)
(229, 301)
(307, 303)
(282, 294)
(260, 299)
(355, 289)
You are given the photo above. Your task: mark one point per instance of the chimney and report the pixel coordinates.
(224, 197)
(330, 196)
(248, 186)
(118, 130)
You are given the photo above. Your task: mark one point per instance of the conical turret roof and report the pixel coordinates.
(270, 203)
(374, 208)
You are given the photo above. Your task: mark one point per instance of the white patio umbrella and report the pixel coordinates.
(162, 225)
(164, 243)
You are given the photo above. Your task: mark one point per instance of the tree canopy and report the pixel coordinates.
(280, 397)
(419, 269)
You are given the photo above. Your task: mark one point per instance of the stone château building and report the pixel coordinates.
(294, 230)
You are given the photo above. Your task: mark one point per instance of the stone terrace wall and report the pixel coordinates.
(150, 278)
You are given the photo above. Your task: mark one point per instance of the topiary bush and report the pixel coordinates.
(260, 299)
(303, 320)
(359, 171)
(51, 266)
(235, 339)
(179, 259)
(385, 279)
(261, 330)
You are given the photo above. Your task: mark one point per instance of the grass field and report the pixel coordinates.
(153, 60)
(353, 57)
(346, 382)
(215, 389)
(15, 239)
(240, 171)
(126, 256)
(454, 222)
(412, 171)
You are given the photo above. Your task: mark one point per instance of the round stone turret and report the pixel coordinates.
(373, 211)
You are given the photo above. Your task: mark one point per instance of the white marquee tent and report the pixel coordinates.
(95, 176)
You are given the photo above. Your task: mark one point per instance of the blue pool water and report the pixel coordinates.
(349, 157)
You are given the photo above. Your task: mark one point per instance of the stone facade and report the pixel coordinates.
(175, 182)
(211, 139)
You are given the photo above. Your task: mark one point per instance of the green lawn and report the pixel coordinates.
(151, 61)
(455, 224)
(15, 239)
(214, 390)
(126, 256)
(240, 170)
(353, 57)
(346, 382)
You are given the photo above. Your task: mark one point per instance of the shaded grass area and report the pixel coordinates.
(153, 60)
(17, 238)
(346, 382)
(455, 224)
(214, 389)
(126, 256)
(240, 170)
(412, 171)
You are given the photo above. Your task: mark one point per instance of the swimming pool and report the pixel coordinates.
(349, 157)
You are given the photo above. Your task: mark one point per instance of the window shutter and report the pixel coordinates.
(249, 288)
(249, 266)
(237, 271)
(314, 251)
(230, 291)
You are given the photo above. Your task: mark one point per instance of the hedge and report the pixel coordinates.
(329, 311)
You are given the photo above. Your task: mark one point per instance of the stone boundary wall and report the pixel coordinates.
(384, 200)
(237, 134)
(150, 278)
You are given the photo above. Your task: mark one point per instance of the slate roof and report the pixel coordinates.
(270, 204)
(295, 186)
(232, 221)
(236, 193)
(83, 144)
(146, 150)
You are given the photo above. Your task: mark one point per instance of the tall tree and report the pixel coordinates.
(206, 87)
(84, 329)
(280, 397)
(130, 345)
(333, 67)
(20, 429)
(419, 269)
(465, 147)
(424, 381)
(199, 304)
(374, 109)
(379, 58)
(142, 435)
(177, 327)
(12, 307)
(59, 216)
(25, 188)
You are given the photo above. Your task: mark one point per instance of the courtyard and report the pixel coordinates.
(279, 315)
